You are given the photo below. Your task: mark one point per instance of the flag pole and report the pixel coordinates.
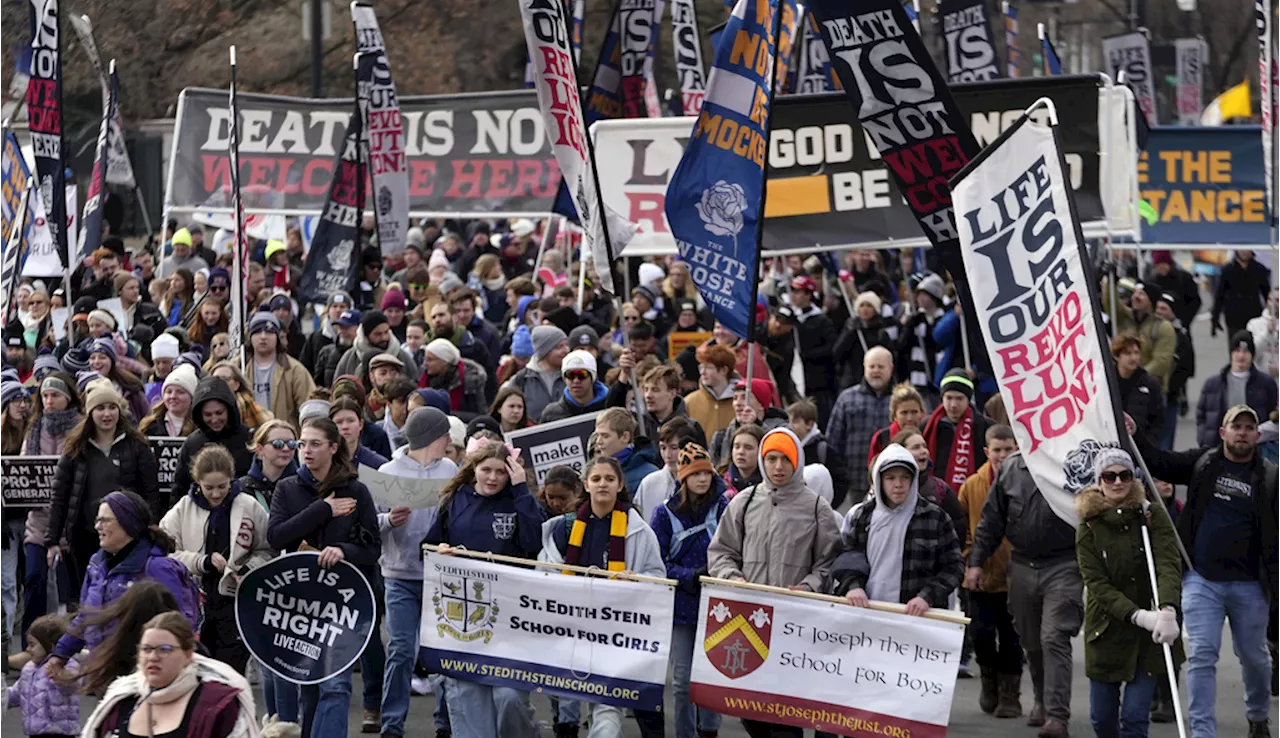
(238, 299)
(13, 244)
(1171, 673)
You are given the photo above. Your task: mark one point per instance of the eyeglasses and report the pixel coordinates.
(103, 521)
(280, 444)
(1111, 477)
(577, 375)
(163, 649)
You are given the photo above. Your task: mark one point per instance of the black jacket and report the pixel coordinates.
(817, 337)
(780, 355)
(234, 437)
(849, 350)
(1144, 401)
(326, 363)
(1184, 287)
(1015, 509)
(311, 347)
(1184, 363)
(618, 398)
(1242, 293)
(299, 514)
(81, 481)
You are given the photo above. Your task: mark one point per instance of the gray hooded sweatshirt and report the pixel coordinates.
(402, 545)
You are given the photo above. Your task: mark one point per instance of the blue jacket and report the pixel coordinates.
(299, 514)
(690, 559)
(946, 334)
(368, 457)
(508, 523)
(639, 463)
(567, 407)
(1259, 392)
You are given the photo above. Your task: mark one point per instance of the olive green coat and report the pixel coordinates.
(1114, 568)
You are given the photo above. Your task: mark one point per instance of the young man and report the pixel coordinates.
(583, 393)
(953, 429)
(464, 302)
(394, 306)
(660, 387)
(182, 256)
(643, 342)
(802, 418)
(815, 337)
(280, 383)
(464, 380)
(711, 405)
(616, 436)
(656, 489)
(282, 307)
(415, 337)
(402, 529)
(375, 337)
(1159, 342)
(1239, 383)
(1241, 293)
(540, 381)
(859, 412)
(995, 640)
(443, 326)
(345, 329)
(338, 303)
(1140, 392)
(396, 393)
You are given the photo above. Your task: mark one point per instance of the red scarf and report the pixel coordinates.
(878, 445)
(961, 457)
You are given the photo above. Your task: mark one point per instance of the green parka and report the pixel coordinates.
(1114, 568)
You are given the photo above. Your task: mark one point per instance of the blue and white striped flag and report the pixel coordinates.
(1052, 65)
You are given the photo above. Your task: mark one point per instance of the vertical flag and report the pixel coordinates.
(1013, 57)
(687, 44)
(788, 33)
(1131, 53)
(12, 250)
(96, 198)
(815, 73)
(333, 261)
(578, 9)
(966, 33)
(14, 175)
(715, 199)
(44, 113)
(1268, 78)
(546, 33)
(1052, 64)
(1190, 55)
(119, 168)
(625, 66)
(239, 244)
(41, 258)
(384, 130)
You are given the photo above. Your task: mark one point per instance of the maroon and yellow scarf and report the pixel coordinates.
(617, 537)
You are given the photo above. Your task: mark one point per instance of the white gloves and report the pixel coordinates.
(1146, 619)
(1166, 629)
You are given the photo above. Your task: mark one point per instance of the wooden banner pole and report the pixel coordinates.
(949, 616)
(587, 570)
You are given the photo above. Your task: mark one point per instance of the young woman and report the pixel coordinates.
(326, 507)
(15, 416)
(489, 488)
(178, 299)
(906, 410)
(174, 692)
(219, 350)
(509, 410)
(578, 540)
(622, 322)
(103, 453)
(743, 467)
(172, 415)
(210, 320)
(349, 417)
(561, 492)
(252, 414)
(1125, 623)
(102, 359)
(220, 535)
(488, 280)
(685, 525)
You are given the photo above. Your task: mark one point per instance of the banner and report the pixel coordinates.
(814, 73)
(1268, 81)
(823, 665)
(558, 443)
(1049, 55)
(966, 34)
(678, 341)
(9, 255)
(546, 33)
(166, 450)
(1037, 305)
(1191, 54)
(95, 199)
(687, 44)
(715, 199)
(388, 490)
(119, 168)
(788, 33)
(384, 131)
(305, 623)
(333, 261)
(472, 153)
(625, 64)
(1013, 57)
(41, 258)
(44, 115)
(1131, 53)
(579, 637)
(1206, 186)
(28, 480)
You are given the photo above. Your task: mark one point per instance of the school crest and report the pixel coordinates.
(465, 608)
(504, 524)
(738, 634)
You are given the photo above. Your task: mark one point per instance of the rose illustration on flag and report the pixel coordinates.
(738, 634)
(721, 208)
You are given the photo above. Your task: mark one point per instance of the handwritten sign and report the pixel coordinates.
(389, 490)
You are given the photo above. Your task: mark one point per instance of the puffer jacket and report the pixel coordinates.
(1114, 569)
(45, 438)
(104, 584)
(1260, 393)
(465, 385)
(81, 481)
(567, 407)
(687, 559)
(1143, 401)
(713, 412)
(325, 368)
(188, 523)
(48, 708)
(234, 436)
(356, 359)
(533, 385)
(776, 535)
(224, 708)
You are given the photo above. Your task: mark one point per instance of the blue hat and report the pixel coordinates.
(522, 342)
(84, 378)
(437, 398)
(349, 318)
(103, 345)
(523, 305)
(280, 302)
(9, 374)
(263, 322)
(193, 358)
(10, 390)
(45, 363)
(76, 359)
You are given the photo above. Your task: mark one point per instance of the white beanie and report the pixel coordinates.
(164, 347)
(579, 360)
(650, 273)
(184, 378)
(103, 316)
(445, 351)
(868, 297)
(457, 431)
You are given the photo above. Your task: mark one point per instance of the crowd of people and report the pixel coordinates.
(856, 447)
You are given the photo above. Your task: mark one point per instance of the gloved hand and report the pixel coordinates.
(1146, 619)
(1166, 630)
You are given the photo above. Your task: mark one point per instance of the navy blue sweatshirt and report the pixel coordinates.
(508, 523)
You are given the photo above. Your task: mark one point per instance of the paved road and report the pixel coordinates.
(966, 719)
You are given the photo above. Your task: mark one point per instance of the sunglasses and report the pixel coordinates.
(1111, 477)
(419, 285)
(577, 375)
(280, 444)
(163, 649)
(219, 287)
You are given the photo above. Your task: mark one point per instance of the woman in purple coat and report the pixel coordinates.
(132, 550)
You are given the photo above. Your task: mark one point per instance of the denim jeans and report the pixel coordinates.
(689, 717)
(1170, 424)
(440, 713)
(565, 711)
(325, 707)
(481, 711)
(1116, 717)
(1204, 606)
(35, 587)
(373, 662)
(9, 576)
(279, 697)
(404, 615)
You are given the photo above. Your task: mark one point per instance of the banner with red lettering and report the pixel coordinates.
(479, 153)
(44, 115)
(383, 131)
(1037, 304)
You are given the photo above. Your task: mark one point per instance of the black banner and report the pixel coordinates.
(334, 264)
(478, 153)
(96, 197)
(166, 449)
(966, 31)
(28, 480)
(305, 623)
(44, 115)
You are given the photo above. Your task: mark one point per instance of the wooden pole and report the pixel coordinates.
(585, 570)
(949, 616)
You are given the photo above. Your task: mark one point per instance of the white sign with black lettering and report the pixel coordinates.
(561, 443)
(28, 480)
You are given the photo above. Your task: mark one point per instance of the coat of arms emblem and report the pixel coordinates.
(465, 608)
(738, 633)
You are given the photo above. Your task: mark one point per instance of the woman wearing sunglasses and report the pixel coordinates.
(1125, 626)
(174, 691)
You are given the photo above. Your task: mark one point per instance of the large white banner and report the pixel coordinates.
(1131, 53)
(1038, 308)
(1191, 55)
(384, 131)
(687, 43)
(581, 637)
(823, 665)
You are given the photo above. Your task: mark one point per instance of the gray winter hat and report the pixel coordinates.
(1111, 456)
(424, 426)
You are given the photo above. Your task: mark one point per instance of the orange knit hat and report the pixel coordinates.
(784, 443)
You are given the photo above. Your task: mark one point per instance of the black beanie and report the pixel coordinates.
(1246, 338)
(372, 320)
(957, 380)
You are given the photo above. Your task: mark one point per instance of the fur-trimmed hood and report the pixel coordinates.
(1092, 503)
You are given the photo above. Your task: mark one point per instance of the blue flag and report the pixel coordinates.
(715, 198)
(1052, 64)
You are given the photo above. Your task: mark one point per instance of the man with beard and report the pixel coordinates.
(345, 329)
(1159, 342)
(859, 412)
(463, 379)
(372, 338)
(440, 316)
(867, 276)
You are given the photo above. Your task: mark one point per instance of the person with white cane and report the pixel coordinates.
(1125, 664)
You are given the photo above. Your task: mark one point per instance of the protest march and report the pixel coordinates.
(772, 369)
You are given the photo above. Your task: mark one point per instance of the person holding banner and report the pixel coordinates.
(1121, 606)
(486, 507)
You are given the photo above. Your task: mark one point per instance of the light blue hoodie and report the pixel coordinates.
(402, 546)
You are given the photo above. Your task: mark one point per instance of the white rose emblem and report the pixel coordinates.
(721, 208)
